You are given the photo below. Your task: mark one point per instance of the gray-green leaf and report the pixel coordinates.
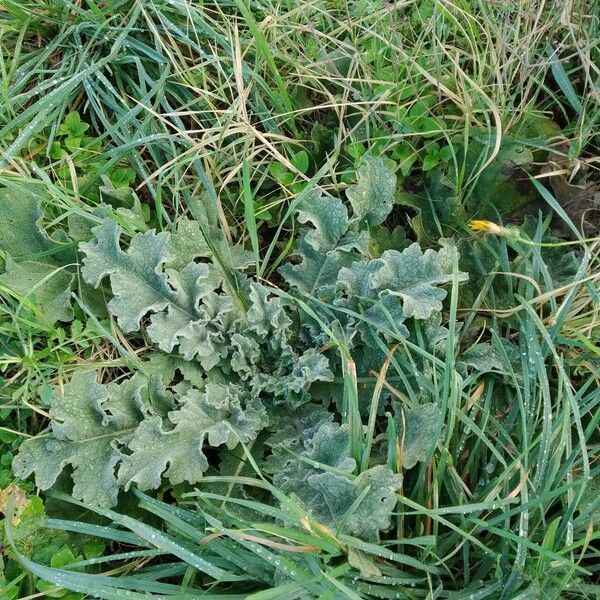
(138, 285)
(217, 416)
(418, 438)
(373, 194)
(413, 275)
(85, 430)
(329, 218)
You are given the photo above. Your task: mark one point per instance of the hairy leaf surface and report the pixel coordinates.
(135, 427)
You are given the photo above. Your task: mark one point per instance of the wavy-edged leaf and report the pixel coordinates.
(86, 426)
(217, 416)
(413, 276)
(373, 194)
(320, 478)
(139, 286)
(136, 428)
(329, 218)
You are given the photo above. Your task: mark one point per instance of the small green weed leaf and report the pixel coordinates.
(356, 150)
(93, 549)
(446, 153)
(373, 194)
(301, 161)
(418, 438)
(57, 151)
(63, 557)
(45, 285)
(430, 162)
(122, 177)
(281, 174)
(406, 156)
(72, 143)
(72, 126)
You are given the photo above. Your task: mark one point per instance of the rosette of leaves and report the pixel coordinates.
(234, 341)
(206, 313)
(235, 335)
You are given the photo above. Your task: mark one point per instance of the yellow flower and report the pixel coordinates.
(487, 227)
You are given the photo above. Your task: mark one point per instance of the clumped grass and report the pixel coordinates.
(146, 113)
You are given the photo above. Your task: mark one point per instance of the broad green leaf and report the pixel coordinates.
(485, 357)
(166, 366)
(37, 267)
(138, 284)
(503, 186)
(417, 429)
(295, 434)
(316, 275)
(373, 194)
(320, 478)
(85, 428)
(45, 285)
(191, 284)
(440, 211)
(20, 233)
(382, 239)
(218, 416)
(186, 311)
(377, 487)
(205, 337)
(381, 312)
(329, 218)
(189, 243)
(266, 315)
(413, 276)
(135, 427)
